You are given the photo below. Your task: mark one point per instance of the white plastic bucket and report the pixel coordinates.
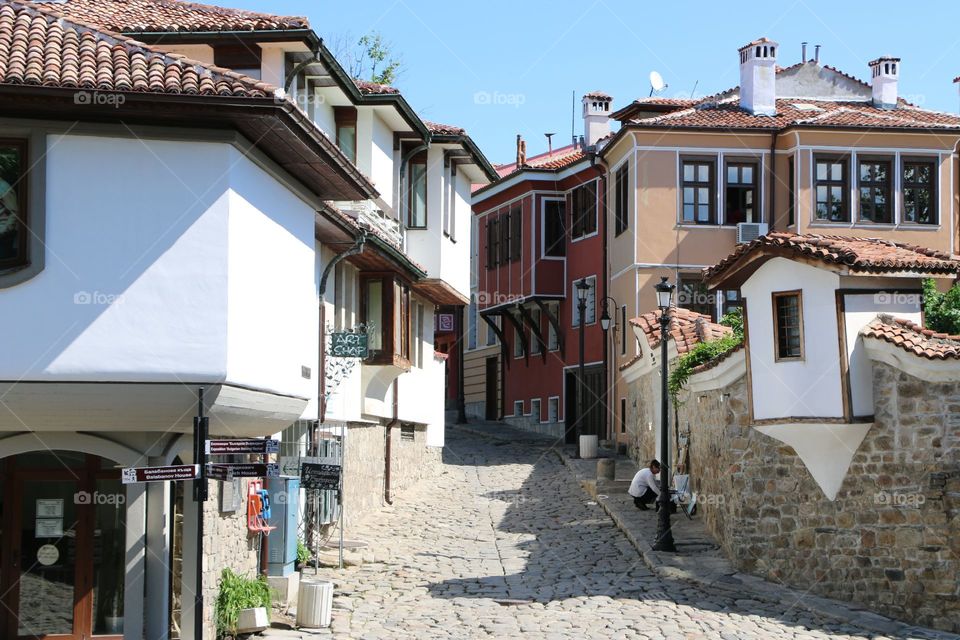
(314, 604)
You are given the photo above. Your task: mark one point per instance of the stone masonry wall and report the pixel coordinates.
(890, 540)
(363, 481)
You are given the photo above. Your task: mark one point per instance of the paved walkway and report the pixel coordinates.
(506, 542)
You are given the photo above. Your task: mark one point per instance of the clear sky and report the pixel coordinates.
(499, 68)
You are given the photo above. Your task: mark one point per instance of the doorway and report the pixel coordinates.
(593, 410)
(492, 404)
(62, 547)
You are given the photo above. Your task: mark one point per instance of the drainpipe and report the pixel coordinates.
(600, 163)
(773, 178)
(356, 249)
(388, 445)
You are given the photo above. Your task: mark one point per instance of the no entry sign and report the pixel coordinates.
(133, 475)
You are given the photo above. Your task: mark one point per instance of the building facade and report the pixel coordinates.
(202, 212)
(804, 148)
(540, 231)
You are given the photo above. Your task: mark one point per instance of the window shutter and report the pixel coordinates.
(516, 234)
(590, 208)
(489, 244)
(504, 238)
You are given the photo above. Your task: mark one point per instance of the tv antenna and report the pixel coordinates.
(657, 84)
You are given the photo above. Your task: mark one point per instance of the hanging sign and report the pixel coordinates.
(235, 447)
(134, 475)
(347, 344)
(219, 472)
(245, 470)
(320, 476)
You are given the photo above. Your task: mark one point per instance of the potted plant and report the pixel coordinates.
(303, 554)
(243, 605)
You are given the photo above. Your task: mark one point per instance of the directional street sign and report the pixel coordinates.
(219, 472)
(246, 470)
(228, 447)
(134, 475)
(320, 476)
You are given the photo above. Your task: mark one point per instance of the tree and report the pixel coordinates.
(941, 311)
(369, 58)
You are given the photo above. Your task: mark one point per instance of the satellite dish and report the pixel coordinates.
(656, 83)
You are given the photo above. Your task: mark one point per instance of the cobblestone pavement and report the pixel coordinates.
(505, 543)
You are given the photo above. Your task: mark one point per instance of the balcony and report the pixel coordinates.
(375, 215)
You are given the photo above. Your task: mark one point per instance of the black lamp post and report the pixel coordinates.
(606, 323)
(582, 289)
(664, 541)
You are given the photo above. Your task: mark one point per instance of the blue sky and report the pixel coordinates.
(501, 68)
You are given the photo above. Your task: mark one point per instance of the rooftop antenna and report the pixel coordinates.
(656, 83)
(694, 90)
(573, 114)
(550, 143)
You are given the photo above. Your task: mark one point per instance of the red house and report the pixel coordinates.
(541, 230)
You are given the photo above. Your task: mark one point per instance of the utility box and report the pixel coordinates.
(284, 505)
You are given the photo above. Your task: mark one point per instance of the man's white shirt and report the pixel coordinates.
(644, 478)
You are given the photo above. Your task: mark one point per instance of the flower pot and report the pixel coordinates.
(252, 620)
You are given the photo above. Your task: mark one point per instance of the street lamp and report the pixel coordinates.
(664, 541)
(582, 289)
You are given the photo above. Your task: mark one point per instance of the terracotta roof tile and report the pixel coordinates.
(39, 47)
(134, 16)
(913, 338)
(558, 159)
(687, 328)
(444, 129)
(727, 114)
(866, 255)
(373, 88)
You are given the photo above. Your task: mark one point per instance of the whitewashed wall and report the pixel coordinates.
(810, 387)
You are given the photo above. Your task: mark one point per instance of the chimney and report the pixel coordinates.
(816, 53)
(596, 116)
(885, 74)
(758, 75)
(803, 52)
(521, 151)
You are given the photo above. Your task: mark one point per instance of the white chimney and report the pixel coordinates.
(596, 117)
(885, 74)
(758, 76)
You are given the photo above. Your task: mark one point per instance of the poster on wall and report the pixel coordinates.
(445, 322)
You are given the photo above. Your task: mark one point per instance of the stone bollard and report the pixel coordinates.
(606, 469)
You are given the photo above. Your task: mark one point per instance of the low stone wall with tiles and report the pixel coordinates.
(890, 540)
(533, 424)
(365, 466)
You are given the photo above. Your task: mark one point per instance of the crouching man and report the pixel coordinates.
(644, 487)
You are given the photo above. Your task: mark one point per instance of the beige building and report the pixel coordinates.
(806, 148)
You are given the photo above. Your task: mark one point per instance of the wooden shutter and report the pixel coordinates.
(504, 238)
(516, 233)
(589, 208)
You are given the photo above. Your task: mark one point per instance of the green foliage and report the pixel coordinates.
(303, 553)
(378, 52)
(238, 592)
(706, 351)
(941, 311)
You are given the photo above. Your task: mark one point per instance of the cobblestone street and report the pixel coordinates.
(505, 543)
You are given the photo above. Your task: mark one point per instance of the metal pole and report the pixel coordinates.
(343, 465)
(664, 541)
(461, 396)
(201, 427)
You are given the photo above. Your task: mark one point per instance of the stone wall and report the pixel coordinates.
(890, 540)
(365, 466)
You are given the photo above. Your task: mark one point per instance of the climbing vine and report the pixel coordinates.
(705, 352)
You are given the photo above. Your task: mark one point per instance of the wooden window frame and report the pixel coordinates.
(774, 296)
(872, 184)
(345, 117)
(516, 233)
(396, 337)
(558, 247)
(696, 185)
(583, 202)
(504, 226)
(934, 192)
(23, 208)
(844, 183)
(419, 159)
(739, 164)
(622, 199)
(493, 243)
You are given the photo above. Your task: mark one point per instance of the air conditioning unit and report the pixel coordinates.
(749, 231)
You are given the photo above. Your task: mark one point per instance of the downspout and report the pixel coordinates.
(356, 249)
(773, 177)
(388, 445)
(601, 165)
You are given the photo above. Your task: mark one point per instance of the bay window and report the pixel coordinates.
(417, 191)
(345, 120)
(385, 311)
(919, 191)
